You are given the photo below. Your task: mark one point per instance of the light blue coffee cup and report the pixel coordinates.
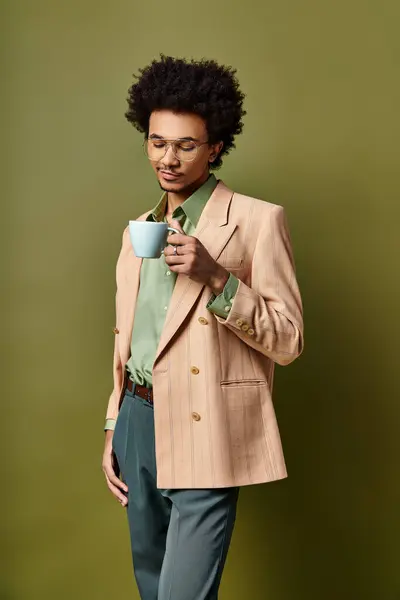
(149, 238)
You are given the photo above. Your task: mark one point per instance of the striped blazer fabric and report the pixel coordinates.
(215, 424)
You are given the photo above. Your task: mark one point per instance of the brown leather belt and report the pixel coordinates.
(140, 390)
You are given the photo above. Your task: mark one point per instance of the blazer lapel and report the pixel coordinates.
(214, 231)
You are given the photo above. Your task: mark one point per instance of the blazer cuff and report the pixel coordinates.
(222, 304)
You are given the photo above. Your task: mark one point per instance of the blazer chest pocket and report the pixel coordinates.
(232, 263)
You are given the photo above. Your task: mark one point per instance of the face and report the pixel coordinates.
(175, 174)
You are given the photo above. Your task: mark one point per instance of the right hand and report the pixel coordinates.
(115, 485)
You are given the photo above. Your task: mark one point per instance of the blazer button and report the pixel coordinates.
(115, 330)
(195, 370)
(196, 416)
(245, 327)
(250, 332)
(203, 321)
(239, 322)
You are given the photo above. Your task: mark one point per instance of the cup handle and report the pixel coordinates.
(174, 230)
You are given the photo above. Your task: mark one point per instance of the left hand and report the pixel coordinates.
(194, 261)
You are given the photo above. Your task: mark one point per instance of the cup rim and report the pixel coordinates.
(148, 222)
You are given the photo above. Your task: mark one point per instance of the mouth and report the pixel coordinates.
(169, 176)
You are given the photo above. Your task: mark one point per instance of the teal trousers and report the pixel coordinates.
(179, 537)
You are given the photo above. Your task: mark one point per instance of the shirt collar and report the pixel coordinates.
(191, 208)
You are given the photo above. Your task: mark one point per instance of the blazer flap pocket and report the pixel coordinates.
(243, 383)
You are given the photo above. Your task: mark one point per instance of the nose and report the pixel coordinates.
(170, 158)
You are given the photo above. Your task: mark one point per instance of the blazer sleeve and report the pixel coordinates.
(268, 316)
(118, 367)
(113, 402)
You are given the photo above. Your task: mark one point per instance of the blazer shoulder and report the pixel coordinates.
(257, 205)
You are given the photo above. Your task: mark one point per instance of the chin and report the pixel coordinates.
(172, 187)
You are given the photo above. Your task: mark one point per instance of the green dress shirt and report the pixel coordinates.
(156, 286)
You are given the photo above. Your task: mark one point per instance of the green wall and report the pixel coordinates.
(322, 138)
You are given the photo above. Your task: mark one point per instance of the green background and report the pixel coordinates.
(322, 138)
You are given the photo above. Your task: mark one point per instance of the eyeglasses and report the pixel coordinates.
(183, 150)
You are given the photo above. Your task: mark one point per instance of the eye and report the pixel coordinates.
(158, 144)
(186, 146)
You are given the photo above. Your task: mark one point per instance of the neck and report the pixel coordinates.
(176, 199)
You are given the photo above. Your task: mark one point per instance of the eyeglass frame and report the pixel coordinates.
(169, 143)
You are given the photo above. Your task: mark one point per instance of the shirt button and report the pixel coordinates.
(239, 322)
(250, 332)
(168, 273)
(245, 327)
(203, 321)
(196, 416)
(194, 370)
(227, 308)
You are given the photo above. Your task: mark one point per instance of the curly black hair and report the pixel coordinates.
(203, 87)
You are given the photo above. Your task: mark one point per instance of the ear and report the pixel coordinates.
(216, 151)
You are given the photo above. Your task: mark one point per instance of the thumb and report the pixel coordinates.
(176, 225)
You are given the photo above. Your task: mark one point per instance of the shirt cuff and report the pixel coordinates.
(110, 424)
(222, 304)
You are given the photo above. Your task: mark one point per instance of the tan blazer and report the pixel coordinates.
(215, 424)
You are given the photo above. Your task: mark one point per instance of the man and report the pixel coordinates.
(197, 333)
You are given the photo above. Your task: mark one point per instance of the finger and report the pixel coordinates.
(116, 492)
(186, 249)
(182, 268)
(179, 259)
(178, 239)
(114, 479)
